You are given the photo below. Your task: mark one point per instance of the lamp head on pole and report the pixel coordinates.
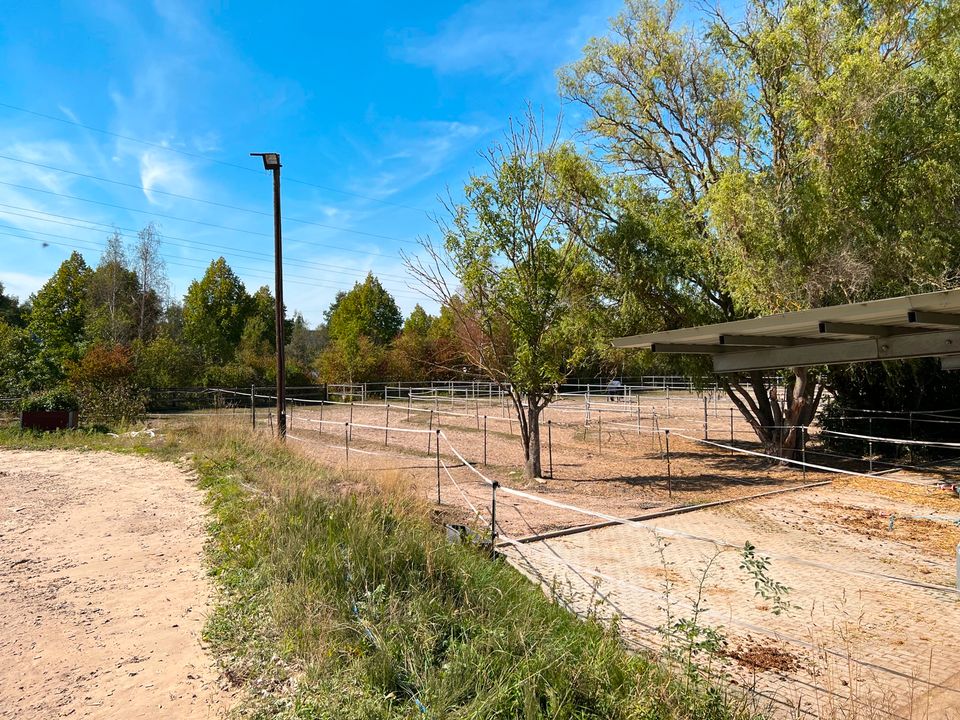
(271, 161)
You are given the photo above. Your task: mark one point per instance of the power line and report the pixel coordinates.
(214, 203)
(300, 279)
(222, 227)
(207, 158)
(143, 212)
(187, 243)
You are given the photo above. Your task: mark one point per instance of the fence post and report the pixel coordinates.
(484, 440)
(550, 445)
(351, 419)
(803, 450)
(438, 467)
(493, 518)
(270, 421)
(599, 432)
(706, 435)
(253, 406)
(290, 416)
(638, 415)
(346, 442)
(731, 426)
(669, 473)
(668, 397)
(429, 434)
(322, 402)
(386, 429)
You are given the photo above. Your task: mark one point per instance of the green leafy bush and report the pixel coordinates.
(56, 399)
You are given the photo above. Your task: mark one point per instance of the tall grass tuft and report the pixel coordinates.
(355, 606)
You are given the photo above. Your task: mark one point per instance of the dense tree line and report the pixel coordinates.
(115, 322)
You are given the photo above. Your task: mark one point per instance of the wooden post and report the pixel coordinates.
(731, 426)
(386, 430)
(290, 416)
(477, 409)
(438, 467)
(351, 419)
(408, 405)
(270, 421)
(668, 397)
(346, 442)
(321, 416)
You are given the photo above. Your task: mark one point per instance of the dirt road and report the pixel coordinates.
(102, 589)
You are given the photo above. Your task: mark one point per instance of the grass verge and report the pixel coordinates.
(337, 598)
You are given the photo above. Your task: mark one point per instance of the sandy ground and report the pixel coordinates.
(102, 589)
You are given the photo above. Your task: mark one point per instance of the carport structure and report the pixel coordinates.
(912, 326)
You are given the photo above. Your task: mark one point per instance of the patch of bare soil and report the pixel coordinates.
(103, 593)
(764, 655)
(931, 535)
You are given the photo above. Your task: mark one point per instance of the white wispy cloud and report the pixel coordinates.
(166, 172)
(21, 285)
(410, 153)
(499, 37)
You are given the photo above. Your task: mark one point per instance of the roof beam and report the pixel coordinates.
(688, 349)
(914, 345)
(876, 331)
(951, 362)
(927, 317)
(770, 340)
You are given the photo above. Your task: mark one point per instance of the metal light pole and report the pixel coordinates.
(271, 161)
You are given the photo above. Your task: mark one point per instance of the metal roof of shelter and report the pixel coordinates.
(926, 325)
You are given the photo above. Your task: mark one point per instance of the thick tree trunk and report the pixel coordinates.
(528, 409)
(778, 424)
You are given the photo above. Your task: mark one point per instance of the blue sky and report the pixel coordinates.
(376, 109)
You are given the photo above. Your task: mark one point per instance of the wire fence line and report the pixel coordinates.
(615, 583)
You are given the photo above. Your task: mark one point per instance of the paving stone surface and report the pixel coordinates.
(873, 627)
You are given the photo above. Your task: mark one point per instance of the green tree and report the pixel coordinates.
(166, 363)
(517, 271)
(368, 310)
(304, 345)
(57, 318)
(215, 311)
(15, 358)
(767, 165)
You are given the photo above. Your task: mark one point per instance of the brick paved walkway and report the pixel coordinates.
(865, 645)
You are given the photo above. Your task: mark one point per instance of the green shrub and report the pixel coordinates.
(56, 399)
